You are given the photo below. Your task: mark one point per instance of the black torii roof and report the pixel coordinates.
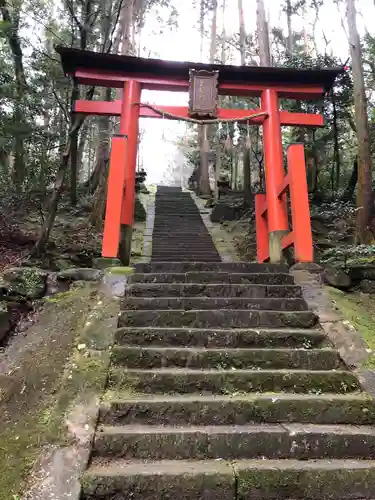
(73, 59)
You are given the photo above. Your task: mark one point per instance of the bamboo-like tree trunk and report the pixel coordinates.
(290, 41)
(263, 35)
(11, 17)
(203, 131)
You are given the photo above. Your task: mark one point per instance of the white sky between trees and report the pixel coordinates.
(183, 44)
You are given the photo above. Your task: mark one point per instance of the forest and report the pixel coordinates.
(53, 160)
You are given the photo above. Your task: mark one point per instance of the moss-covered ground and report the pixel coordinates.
(44, 372)
(359, 310)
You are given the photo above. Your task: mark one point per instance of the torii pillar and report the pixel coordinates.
(121, 180)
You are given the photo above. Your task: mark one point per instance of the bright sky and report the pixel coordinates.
(184, 45)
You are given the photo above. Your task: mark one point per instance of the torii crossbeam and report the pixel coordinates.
(133, 74)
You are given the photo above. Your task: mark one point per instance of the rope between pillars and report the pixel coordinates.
(200, 122)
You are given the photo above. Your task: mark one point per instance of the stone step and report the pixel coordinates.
(241, 480)
(170, 247)
(212, 277)
(166, 244)
(186, 380)
(182, 235)
(236, 338)
(228, 318)
(213, 303)
(212, 290)
(232, 267)
(189, 256)
(241, 409)
(160, 357)
(292, 441)
(212, 258)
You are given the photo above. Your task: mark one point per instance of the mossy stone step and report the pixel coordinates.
(182, 381)
(296, 441)
(167, 480)
(212, 277)
(242, 480)
(209, 257)
(212, 303)
(315, 479)
(217, 337)
(159, 357)
(213, 290)
(195, 409)
(229, 318)
(234, 267)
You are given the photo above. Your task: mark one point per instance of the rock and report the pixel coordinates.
(311, 267)
(139, 211)
(61, 264)
(224, 212)
(336, 278)
(319, 227)
(105, 262)
(209, 203)
(29, 282)
(360, 272)
(80, 274)
(5, 317)
(367, 286)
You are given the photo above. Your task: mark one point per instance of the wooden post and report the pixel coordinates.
(274, 174)
(115, 190)
(261, 227)
(299, 201)
(129, 125)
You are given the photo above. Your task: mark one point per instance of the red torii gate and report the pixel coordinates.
(132, 74)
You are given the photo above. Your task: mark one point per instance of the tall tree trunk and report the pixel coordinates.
(201, 28)
(336, 149)
(263, 35)
(76, 123)
(204, 177)
(364, 191)
(74, 154)
(290, 41)
(348, 194)
(242, 33)
(99, 177)
(83, 140)
(14, 41)
(247, 194)
(218, 143)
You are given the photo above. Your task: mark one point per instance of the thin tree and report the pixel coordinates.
(204, 177)
(364, 190)
(263, 35)
(247, 195)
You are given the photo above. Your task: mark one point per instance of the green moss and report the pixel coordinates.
(47, 386)
(299, 482)
(359, 310)
(120, 270)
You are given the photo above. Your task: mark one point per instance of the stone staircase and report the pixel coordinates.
(179, 232)
(222, 386)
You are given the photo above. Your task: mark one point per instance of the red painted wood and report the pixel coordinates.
(299, 201)
(129, 125)
(113, 108)
(113, 79)
(261, 225)
(273, 163)
(115, 189)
